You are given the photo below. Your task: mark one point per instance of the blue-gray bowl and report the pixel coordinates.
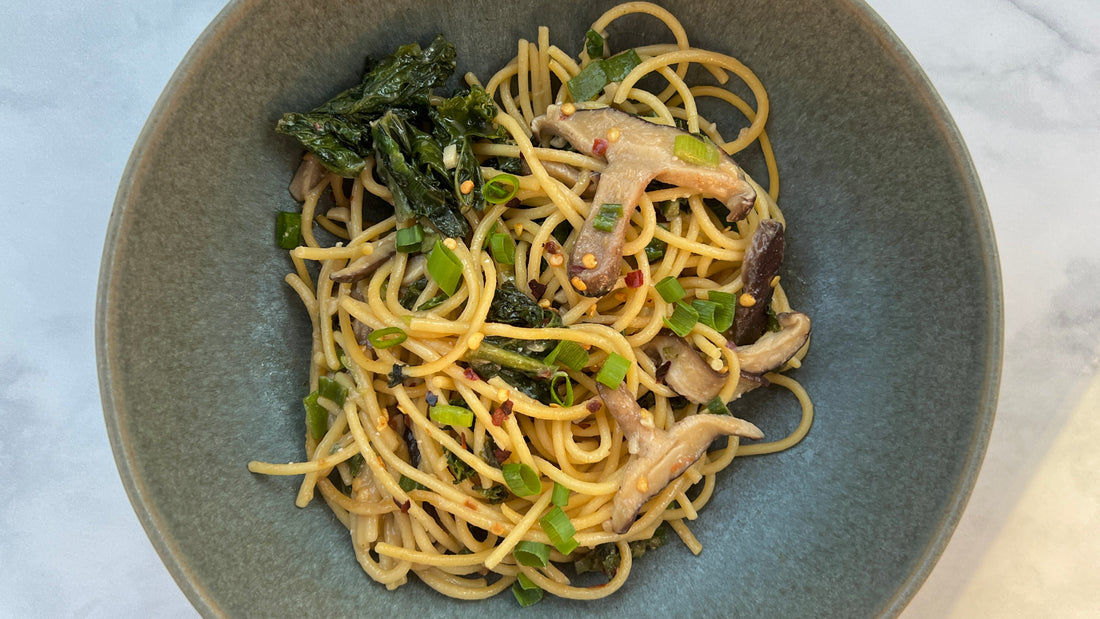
(202, 347)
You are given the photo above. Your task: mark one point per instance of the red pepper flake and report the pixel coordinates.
(635, 279)
(470, 504)
(470, 374)
(464, 441)
(502, 412)
(550, 247)
(501, 455)
(599, 147)
(593, 405)
(404, 506)
(537, 288)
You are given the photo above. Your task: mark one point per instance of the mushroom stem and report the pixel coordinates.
(659, 456)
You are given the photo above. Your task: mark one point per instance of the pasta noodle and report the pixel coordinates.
(398, 408)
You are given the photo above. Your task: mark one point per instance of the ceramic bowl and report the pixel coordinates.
(202, 347)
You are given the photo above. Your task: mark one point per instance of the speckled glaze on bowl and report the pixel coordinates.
(202, 347)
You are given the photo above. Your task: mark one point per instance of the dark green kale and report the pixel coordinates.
(397, 375)
(605, 557)
(411, 293)
(338, 131)
(458, 121)
(408, 164)
(512, 307)
(459, 469)
(495, 494)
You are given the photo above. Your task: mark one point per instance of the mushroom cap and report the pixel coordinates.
(637, 152)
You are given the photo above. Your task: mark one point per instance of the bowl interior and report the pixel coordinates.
(202, 347)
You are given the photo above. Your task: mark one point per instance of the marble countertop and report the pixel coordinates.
(1021, 78)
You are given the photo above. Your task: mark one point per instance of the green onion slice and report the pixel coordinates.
(522, 480)
(670, 289)
(532, 554)
(288, 229)
(500, 189)
(617, 67)
(713, 314)
(560, 496)
(387, 338)
(723, 298)
(682, 320)
(609, 215)
(613, 370)
(569, 354)
(316, 416)
(593, 44)
(504, 250)
(559, 529)
(445, 268)
(330, 388)
(589, 83)
(690, 149)
(408, 239)
(554, 380)
(451, 415)
(716, 407)
(527, 593)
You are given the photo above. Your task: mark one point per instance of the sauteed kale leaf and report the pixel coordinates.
(338, 131)
(389, 115)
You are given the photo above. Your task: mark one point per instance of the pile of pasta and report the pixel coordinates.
(385, 464)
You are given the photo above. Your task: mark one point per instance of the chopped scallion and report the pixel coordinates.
(714, 314)
(554, 381)
(690, 149)
(682, 320)
(451, 415)
(569, 354)
(522, 480)
(589, 83)
(609, 215)
(316, 416)
(504, 250)
(532, 554)
(445, 268)
(408, 239)
(716, 407)
(331, 389)
(593, 44)
(500, 189)
(560, 496)
(613, 370)
(526, 592)
(288, 229)
(670, 289)
(559, 529)
(617, 67)
(386, 338)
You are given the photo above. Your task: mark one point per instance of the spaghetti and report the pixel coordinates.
(482, 452)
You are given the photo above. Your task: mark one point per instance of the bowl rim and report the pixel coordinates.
(114, 411)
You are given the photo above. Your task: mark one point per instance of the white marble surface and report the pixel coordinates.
(1021, 77)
